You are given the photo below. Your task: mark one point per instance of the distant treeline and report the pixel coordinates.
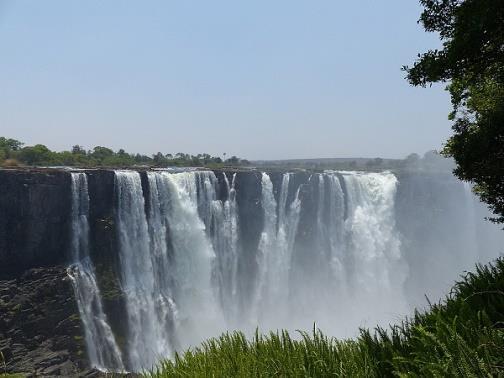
(430, 161)
(15, 153)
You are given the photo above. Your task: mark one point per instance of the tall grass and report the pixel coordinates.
(463, 336)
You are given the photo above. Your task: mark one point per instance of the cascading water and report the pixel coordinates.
(265, 255)
(222, 228)
(148, 307)
(331, 248)
(379, 271)
(166, 265)
(192, 255)
(336, 234)
(270, 305)
(103, 352)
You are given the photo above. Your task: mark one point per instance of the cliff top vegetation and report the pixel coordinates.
(15, 153)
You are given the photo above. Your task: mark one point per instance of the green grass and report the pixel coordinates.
(463, 336)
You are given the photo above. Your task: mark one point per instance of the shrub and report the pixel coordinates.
(11, 163)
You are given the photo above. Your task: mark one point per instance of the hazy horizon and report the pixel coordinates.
(263, 81)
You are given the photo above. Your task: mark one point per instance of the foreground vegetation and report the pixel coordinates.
(463, 336)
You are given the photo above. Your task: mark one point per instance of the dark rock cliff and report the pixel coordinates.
(34, 219)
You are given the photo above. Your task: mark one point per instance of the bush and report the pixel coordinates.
(11, 163)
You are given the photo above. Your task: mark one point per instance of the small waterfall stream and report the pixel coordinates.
(102, 349)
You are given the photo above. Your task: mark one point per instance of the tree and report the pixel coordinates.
(8, 147)
(78, 150)
(159, 160)
(101, 153)
(10, 144)
(471, 61)
(68, 158)
(38, 154)
(233, 160)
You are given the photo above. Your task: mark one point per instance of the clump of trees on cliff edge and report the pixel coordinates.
(15, 153)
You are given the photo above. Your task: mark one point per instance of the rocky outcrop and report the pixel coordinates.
(40, 329)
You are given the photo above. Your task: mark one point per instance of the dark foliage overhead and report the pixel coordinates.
(471, 61)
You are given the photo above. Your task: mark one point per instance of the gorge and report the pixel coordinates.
(155, 261)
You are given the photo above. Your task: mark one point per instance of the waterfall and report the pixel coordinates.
(80, 214)
(265, 256)
(146, 306)
(379, 271)
(330, 247)
(274, 253)
(166, 264)
(223, 231)
(335, 226)
(190, 266)
(103, 352)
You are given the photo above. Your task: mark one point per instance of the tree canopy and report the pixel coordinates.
(471, 62)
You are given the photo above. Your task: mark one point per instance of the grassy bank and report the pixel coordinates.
(462, 336)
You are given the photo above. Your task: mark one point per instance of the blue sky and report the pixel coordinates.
(258, 79)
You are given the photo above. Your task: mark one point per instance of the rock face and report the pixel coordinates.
(40, 329)
(34, 220)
